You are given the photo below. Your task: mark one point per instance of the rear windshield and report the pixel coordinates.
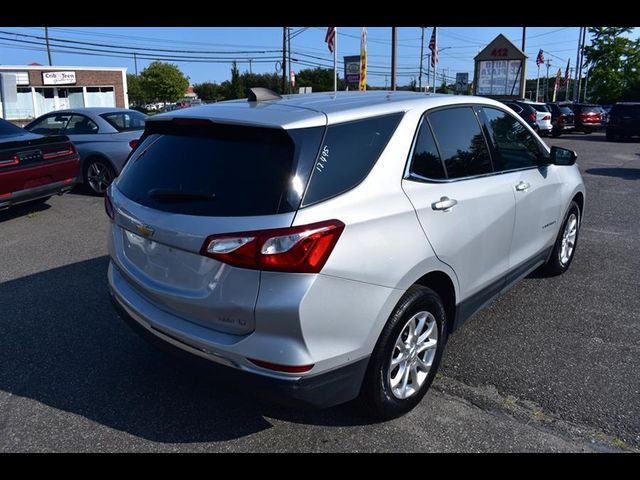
(540, 108)
(221, 170)
(565, 110)
(630, 110)
(125, 121)
(8, 128)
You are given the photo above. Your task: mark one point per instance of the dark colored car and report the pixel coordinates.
(525, 110)
(34, 167)
(589, 118)
(624, 121)
(562, 119)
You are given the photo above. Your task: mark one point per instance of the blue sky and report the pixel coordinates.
(458, 46)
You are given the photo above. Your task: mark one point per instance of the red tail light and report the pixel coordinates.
(108, 206)
(533, 117)
(561, 118)
(9, 160)
(67, 150)
(134, 143)
(282, 368)
(303, 249)
(547, 117)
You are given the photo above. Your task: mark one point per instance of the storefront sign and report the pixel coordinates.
(352, 69)
(58, 78)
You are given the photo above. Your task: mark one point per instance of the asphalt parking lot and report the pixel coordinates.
(552, 366)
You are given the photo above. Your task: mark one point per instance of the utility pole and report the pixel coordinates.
(524, 37)
(250, 70)
(582, 42)
(289, 61)
(421, 57)
(46, 36)
(284, 60)
(586, 81)
(135, 63)
(393, 58)
(546, 82)
(575, 83)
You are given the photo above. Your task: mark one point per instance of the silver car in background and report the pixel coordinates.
(322, 247)
(103, 137)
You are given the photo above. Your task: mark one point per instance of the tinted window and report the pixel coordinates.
(461, 142)
(250, 171)
(515, 107)
(49, 125)
(426, 159)
(125, 121)
(632, 111)
(517, 147)
(81, 125)
(540, 108)
(347, 155)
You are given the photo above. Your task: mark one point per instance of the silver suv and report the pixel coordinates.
(322, 247)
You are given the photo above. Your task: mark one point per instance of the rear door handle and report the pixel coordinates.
(445, 204)
(522, 186)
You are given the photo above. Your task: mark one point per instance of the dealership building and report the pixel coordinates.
(26, 92)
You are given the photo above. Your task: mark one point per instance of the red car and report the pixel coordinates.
(34, 167)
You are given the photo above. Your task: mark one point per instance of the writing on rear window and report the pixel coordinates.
(324, 158)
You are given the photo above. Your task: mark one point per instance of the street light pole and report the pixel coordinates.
(421, 58)
(46, 36)
(393, 57)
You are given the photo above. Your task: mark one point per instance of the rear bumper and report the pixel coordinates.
(30, 194)
(319, 391)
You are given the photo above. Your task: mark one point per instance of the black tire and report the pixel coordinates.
(554, 265)
(587, 132)
(376, 392)
(110, 174)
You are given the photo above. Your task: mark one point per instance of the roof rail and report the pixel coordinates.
(259, 94)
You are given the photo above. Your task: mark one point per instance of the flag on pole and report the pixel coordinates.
(363, 60)
(540, 58)
(330, 38)
(566, 73)
(434, 48)
(557, 84)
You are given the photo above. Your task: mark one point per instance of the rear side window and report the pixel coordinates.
(125, 121)
(221, 170)
(81, 125)
(425, 160)
(348, 153)
(461, 142)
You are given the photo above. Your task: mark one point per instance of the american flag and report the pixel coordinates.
(566, 73)
(330, 38)
(434, 48)
(540, 59)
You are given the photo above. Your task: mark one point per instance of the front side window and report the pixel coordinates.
(348, 153)
(461, 142)
(516, 146)
(49, 125)
(425, 160)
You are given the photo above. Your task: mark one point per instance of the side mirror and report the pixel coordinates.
(562, 156)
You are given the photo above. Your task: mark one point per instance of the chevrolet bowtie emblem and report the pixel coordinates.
(145, 230)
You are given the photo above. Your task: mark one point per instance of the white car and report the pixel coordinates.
(543, 118)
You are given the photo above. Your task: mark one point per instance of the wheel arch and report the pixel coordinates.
(441, 283)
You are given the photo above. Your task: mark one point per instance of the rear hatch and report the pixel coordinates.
(626, 116)
(565, 116)
(191, 178)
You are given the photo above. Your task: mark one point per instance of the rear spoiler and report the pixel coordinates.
(34, 142)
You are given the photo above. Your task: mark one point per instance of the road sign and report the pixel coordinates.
(462, 82)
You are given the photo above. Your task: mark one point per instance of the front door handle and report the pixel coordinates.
(522, 187)
(445, 204)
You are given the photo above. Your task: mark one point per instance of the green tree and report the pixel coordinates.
(613, 61)
(137, 95)
(209, 92)
(319, 79)
(164, 82)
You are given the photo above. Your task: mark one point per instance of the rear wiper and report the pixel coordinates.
(167, 195)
